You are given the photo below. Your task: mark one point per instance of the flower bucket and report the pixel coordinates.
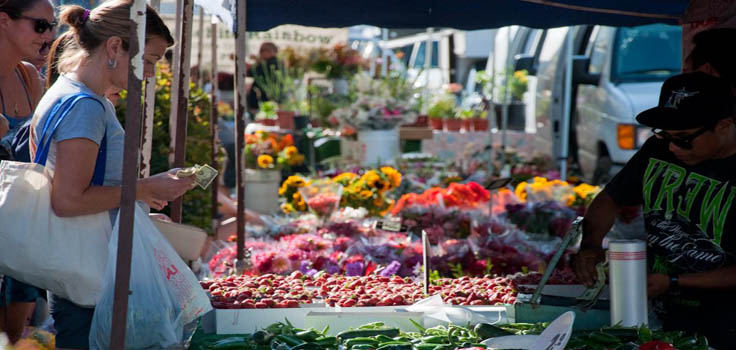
(378, 147)
(268, 122)
(467, 125)
(436, 123)
(262, 190)
(322, 197)
(286, 119)
(340, 86)
(453, 124)
(480, 124)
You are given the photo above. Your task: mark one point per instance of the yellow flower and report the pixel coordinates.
(345, 178)
(584, 190)
(365, 194)
(265, 161)
(394, 177)
(287, 208)
(291, 151)
(371, 178)
(570, 200)
(520, 191)
(296, 160)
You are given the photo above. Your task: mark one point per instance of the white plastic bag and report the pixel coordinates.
(165, 293)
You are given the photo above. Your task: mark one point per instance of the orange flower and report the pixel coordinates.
(286, 141)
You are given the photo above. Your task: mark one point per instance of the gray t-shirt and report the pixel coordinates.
(86, 119)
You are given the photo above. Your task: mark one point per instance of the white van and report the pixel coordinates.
(617, 73)
(626, 69)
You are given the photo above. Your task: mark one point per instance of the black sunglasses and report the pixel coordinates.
(684, 142)
(40, 25)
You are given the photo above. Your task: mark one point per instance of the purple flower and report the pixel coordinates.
(391, 269)
(354, 268)
(331, 268)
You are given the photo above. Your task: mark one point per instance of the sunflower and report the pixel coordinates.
(520, 191)
(372, 179)
(345, 178)
(394, 177)
(291, 151)
(365, 194)
(265, 161)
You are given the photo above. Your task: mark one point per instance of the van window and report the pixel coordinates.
(419, 61)
(552, 43)
(600, 49)
(647, 53)
(404, 53)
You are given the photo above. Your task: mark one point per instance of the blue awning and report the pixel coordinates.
(461, 14)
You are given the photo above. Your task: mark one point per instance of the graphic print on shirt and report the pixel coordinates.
(685, 214)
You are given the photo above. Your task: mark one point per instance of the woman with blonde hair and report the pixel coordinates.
(95, 60)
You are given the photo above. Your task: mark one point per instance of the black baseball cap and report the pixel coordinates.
(688, 101)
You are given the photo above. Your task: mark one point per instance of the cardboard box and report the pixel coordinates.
(415, 133)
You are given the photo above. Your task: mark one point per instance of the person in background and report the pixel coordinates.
(714, 52)
(93, 62)
(265, 65)
(26, 26)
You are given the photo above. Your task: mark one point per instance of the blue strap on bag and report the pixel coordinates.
(59, 112)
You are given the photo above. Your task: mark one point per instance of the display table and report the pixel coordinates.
(458, 146)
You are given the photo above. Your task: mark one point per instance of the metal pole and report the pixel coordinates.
(130, 176)
(200, 48)
(149, 104)
(175, 82)
(565, 137)
(384, 56)
(185, 54)
(241, 106)
(427, 66)
(506, 99)
(491, 116)
(213, 124)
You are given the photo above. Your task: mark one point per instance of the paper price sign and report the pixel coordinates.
(557, 334)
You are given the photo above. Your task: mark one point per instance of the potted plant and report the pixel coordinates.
(265, 155)
(281, 83)
(453, 123)
(267, 113)
(517, 86)
(480, 121)
(466, 118)
(338, 63)
(378, 107)
(443, 107)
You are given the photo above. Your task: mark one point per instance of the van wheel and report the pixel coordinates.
(601, 174)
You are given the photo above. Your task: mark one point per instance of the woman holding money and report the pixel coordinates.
(95, 61)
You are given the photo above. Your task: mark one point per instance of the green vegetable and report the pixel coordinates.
(389, 332)
(308, 346)
(261, 337)
(486, 331)
(605, 338)
(327, 341)
(435, 339)
(360, 340)
(426, 346)
(363, 347)
(230, 343)
(382, 338)
(308, 335)
(404, 346)
(288, 340)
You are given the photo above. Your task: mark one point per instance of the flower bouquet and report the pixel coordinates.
(268, 151)
(369, 190)
(379, 104)
(339, 62)
(322, 197)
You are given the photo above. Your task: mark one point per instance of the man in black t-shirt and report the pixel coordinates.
(684, 178)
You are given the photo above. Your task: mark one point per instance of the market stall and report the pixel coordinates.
(500, 237)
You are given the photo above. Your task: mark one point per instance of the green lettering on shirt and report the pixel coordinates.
(668, 188)
(654, 169)
(691, 194)
(713, 210)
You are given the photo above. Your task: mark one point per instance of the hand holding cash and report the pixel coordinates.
(203, 174)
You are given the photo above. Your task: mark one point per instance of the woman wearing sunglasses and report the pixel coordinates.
(25, 27)
(683, 178)
(93, 62)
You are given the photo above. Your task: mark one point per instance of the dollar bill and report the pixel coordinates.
(205, 175)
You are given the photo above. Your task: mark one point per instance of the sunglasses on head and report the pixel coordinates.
(40, 25)
(683, 142)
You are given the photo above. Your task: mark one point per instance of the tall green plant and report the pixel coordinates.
(197, 207)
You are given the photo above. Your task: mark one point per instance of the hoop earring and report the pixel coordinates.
(111, 63)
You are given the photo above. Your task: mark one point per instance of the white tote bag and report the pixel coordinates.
(66, 256)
